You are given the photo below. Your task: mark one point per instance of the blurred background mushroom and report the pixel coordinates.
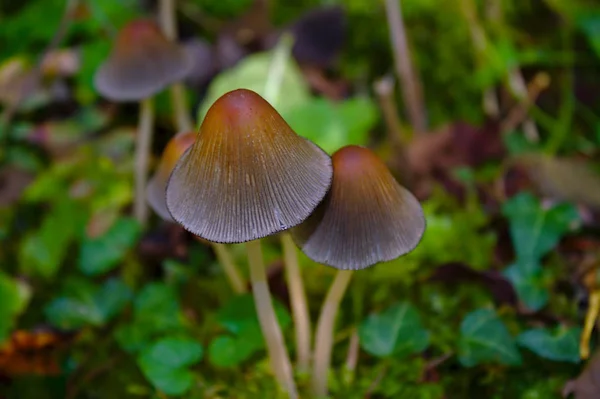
(366, 218)
(248, 176)
(142, 63)
(156, 193)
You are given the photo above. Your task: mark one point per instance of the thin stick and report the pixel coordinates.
(411, 86)
(352, 355)
(298, 302)
(142, 155)
(324, 335)
(231, 271)
(590, 321)
(168, 22)
(384, 88)
(280, 361)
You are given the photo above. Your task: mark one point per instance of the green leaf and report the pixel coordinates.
(334, 125)
(484, 338)
(86, 304)
(396, 331)
(14, 296)
(43, 251)
(99, 255)
(239, 317)
(156, 310)
(535, 230)
(529, 283)
(561, 345)
(252, 73)
(228, 351)
(589, 24)
(166, 363)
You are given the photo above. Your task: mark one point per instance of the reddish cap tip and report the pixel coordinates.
(248, 175)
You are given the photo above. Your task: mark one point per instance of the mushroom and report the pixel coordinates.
(155, 195)
(248, 176)
(142, 63)
(366, 218)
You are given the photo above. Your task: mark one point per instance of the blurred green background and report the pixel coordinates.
(491, 303)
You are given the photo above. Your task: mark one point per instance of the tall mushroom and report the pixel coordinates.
(142, 63)
(247, 176)
(366, 218)
(156, 191)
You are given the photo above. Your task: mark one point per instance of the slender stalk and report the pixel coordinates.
(384, 88)
(231, 271)
(324, 335)
(142, 155)
(280, 361)
(168, 23)
(411, 86)
(298, 302)
(352, 356)
(590, 321)
(292, 269)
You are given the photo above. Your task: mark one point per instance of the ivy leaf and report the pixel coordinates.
(528, 280)
(252, 73)
(239, 318)
(333, 125)
(166, 363)
(396, 331)
(156, 311)
(99, 255)
(228, 351)
(484, 338)
(86, 304)
(43, 251)
(535, 230)
(561, 345)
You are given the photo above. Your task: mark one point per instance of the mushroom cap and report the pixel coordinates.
(248, 175)
(142, 63)
(366, 217)
(157, 186)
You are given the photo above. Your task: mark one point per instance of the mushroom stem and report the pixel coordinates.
(298, 302)
(324, 334)
(168, 22)
(142, 154)
(226, 261)
(267, 318)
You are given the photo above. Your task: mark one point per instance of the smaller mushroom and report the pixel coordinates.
(156, 193)
(366, 218)
(142, 63)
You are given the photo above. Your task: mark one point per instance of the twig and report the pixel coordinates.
(519, 112)
(411, 86)
(352, 355)
(384, 88)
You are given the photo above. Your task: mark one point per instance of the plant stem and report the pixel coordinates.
(410, 84)
(142, 155)
(168, 22)
(324, 335)
(298, 302)
(226, 261)
(280, 361)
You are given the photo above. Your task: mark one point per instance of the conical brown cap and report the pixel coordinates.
(157, 186)
(142, 63)
(366, 217)
(248, 175)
